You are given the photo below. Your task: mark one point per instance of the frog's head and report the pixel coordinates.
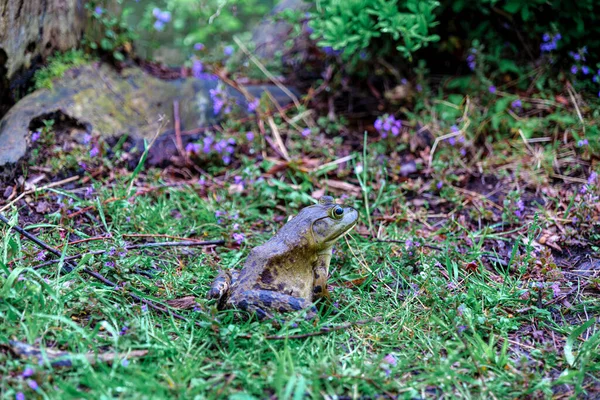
(330, 222)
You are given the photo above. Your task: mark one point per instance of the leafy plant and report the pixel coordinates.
(351, 27)
(109, 32)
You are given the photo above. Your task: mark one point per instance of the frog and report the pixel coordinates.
(289, 272)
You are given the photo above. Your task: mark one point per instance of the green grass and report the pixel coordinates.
(454, 332)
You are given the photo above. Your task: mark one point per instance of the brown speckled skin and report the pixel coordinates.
(289, 271)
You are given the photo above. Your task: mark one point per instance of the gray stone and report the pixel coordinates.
(107, 104)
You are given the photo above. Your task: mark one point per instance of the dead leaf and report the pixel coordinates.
(342, 186)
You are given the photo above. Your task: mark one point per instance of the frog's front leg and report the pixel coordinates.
(221, 286)
(321, 274)
(263, 302)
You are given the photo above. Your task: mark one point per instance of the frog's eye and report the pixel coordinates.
(337, 212)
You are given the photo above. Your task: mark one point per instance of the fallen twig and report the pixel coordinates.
(134, 246)
(48, 186)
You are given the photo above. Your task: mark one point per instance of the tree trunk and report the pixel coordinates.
(30, 31)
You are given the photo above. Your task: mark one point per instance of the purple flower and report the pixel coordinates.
(41, 256)
(454, 129)
(461, 309)
(252, 105)
(112, 251)
(390, 359)
(124, 330)
(238, 180)
(33, 384)
(471, 59)
(305, 132)
(249, 136)
(585, 70)
(122, 253)
(409, 244)
(516, 104)
(362, 55)
(109, 264)
(492, 89)
(595, 78)
(98, 10)
(35, 136)
(164, 17)
(27, 372)
(583, 190)
(419, 87)
(197, 68)
(555, 289)
(439, 184)
(378, 124)
(226, 159)
(583, 142)
(94, 152)
(159, 25)
(574, 69)
(228, 50)
(461, 328)
(576, 56)
(592, 178)
(125, 362)
(192, 148)
(198, 46)
(463, 152)
(238, 237)
(452, 141)
(19, 396)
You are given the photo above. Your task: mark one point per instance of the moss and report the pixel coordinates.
(57, 66)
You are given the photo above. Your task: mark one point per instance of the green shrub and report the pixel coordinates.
(352, 26)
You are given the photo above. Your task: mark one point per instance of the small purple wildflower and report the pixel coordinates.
(492, 89)
(592, 178)
(404, 81)
(461, 309)
(463, 152)
(238, 237)
(461, 328)
(109, 264)
(27, 372)
(35, 136)
(124, 330)
(197, 68)
(87, 138)
(125, 362)
(516, 104)
(253, 105)
(112, 251)
(192, 148)
(555, 289)
(362, 55)
(207, 141)
(249, 136)
(94, 152)
(98, 10)
(89, 190)
(387, 124)
(226, 159)
(409, 244)
(197, 309)
(82, 164)
(419, 87)
(159, 25)
(439, 184)
(550, 43)
(546, 37)
(574, 69)
(585, 69)
(122, 253)
(454, 129)
(41, 256)
(576, 56)
(228, 50)
(238, 180)
(198, 46)
(452, 141)
(164, 17)
(471, 59)
(33, 384)
(583, 142)
(305, 132)
(19, 396)
(220, 146)
(390, 359)
(218, 213)
(583, 190)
